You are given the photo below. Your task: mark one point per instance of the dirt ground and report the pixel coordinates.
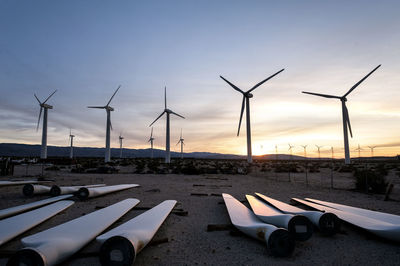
(189, 242)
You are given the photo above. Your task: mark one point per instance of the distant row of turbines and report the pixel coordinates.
(358, 149)
(107, 157)
(245, 105)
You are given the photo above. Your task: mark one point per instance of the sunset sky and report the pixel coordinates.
(85, 49)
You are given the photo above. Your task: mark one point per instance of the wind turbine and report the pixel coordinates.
(359, 151)
(305, 150)
(182, 143)
(332, 152)
(246, 103)
(71, 137)
(120, 145)
(167, 139)
(372, 150)
(290, 149)
(276, 152)
(319, 152)
(345, 113)
(108, 109)
(45, 107)
(151, 142)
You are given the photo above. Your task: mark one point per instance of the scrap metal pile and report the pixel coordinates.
(119, 246)
(279, 224)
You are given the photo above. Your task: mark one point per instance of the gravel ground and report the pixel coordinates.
(189, 243)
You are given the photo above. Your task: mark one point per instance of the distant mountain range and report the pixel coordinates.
(26, 150)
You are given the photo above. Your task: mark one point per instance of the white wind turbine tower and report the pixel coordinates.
(372, 150)
(319, 152)
(71, 138)
(182, 143)
(120, 145)
(359, 151)
(276, 152)
(345, 113)
(108, 109)
(45, 107)
(167, 138)
(305, 150)
(151, 139)
(246, 103)
(290, 149)
(332, 152)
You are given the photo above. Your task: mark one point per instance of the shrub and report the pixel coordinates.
(374, 179)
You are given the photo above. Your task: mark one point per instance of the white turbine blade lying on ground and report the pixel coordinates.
(54, 245)
(26, 207)
(278, 240)
(298, 225)
(262, 82)
(16, 183)
(177, 114)
(128, 239)
(16, 225)
(157, 118)
(61, 190)
(29, 190)
(232, 85)
(358, 83)
(241, 115)
(113, 95)
(385, 217)
(377, 227)
(322, 95)
(328, 223)
(91, 192)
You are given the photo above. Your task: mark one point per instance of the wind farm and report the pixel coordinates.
(297, 187)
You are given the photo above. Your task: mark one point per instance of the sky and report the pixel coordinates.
(86, 49)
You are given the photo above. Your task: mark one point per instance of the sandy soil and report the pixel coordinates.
(189, 243)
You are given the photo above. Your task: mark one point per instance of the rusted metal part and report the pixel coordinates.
(279, 241)
(380, 228)
(328, 223)
(298, 225)
(54, 245)
(122, 244)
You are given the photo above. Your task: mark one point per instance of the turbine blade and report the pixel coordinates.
(178, 142)
(260, 83)
(177, 114)
(322, 95)
(165, 97)
(97, 107)
(37, 98)
(358, 83)
(157, 118)
(233, 86)
(113, 95)
(111, 125)
(49, 96)
(151, 133)
(40, 115)
(346, 114)
(241, 115)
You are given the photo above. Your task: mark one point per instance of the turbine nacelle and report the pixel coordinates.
(248, 95)
(47, 106)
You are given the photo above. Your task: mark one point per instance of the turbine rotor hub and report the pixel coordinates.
(249, 95)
